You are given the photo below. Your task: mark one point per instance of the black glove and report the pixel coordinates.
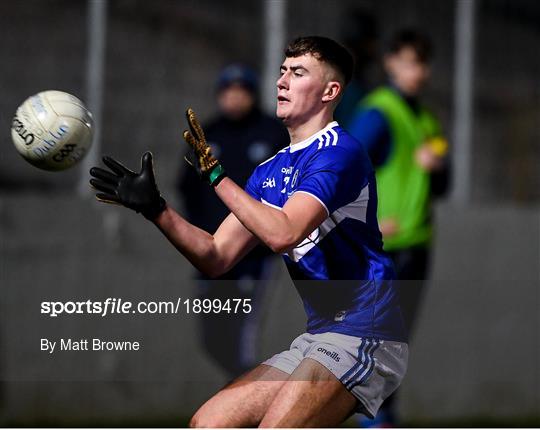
(137, 191)
(200, 155)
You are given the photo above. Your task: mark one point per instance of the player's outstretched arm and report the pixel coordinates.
(211, 254)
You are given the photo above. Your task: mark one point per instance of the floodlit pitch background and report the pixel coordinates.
(476, 353)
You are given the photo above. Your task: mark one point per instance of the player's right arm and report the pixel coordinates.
(211, 254)
(214, 254)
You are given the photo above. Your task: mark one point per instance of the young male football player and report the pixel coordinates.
(314, 202)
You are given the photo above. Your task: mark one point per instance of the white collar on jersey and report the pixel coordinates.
(313, 138)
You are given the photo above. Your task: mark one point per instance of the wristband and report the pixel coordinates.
(216, 175)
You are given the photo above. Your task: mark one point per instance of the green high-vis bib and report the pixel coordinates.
(403, 187)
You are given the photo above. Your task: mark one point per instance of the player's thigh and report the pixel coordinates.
(311, 397)
(242, 403)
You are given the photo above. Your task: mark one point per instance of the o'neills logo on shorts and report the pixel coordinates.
(333, 355)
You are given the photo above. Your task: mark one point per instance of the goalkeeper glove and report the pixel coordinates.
(137, 191)
(200, 155)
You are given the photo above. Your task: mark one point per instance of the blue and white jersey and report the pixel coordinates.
(333, 168)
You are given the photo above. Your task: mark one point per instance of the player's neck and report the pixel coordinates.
(300, 132)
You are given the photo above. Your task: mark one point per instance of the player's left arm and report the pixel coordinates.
(279, 229)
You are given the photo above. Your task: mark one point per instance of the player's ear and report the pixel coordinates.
(332, 91)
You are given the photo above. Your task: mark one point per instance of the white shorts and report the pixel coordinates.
(371, 369)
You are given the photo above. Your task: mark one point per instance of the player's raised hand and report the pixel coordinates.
(137, 191)
(200, 155)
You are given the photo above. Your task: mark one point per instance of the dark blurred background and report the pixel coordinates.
(476, 355)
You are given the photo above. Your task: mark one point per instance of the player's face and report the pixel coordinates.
(406, 71)
(300, 89)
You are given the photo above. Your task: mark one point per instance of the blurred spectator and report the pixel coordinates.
(360, 37)
(408, 151)
(241, 137)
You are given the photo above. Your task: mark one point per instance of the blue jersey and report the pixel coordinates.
(333, 168)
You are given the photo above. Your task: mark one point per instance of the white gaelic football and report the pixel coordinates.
(52, 130)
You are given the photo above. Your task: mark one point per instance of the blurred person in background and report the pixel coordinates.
(360, 37)
(408, 151)
(242, 136)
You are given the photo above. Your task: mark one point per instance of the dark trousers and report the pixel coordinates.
(411, 266)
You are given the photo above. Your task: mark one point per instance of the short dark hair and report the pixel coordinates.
(419, 42)
(323, 49)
